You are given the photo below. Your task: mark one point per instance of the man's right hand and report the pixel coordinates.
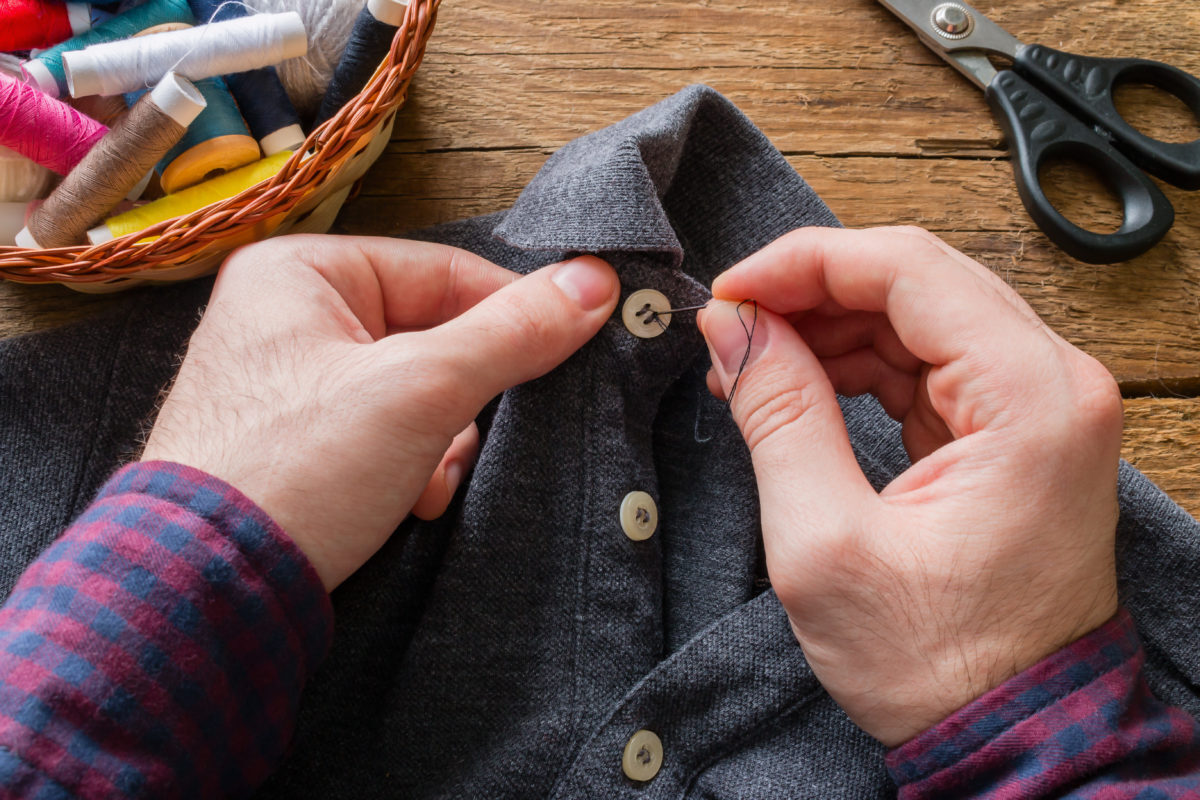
(996, 548)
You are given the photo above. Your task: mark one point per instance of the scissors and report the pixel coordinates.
(1053, 104)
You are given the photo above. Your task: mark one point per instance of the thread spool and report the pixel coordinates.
(45, 71)
(26, 24)
(115, 165)
(106, 110)
(260, 95)
(189, 200)
(12, 220)
(329, 24)
(235, 45)
(166, 27)
(369, 42)
(21, 179)
(216, 142)
(43, 129)
(10, 65)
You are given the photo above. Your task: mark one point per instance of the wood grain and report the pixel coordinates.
(1161, 435)
(883, 129)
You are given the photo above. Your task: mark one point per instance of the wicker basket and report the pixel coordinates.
(304, 197)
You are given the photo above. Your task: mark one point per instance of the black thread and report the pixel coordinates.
(749, 344)
(654, 317)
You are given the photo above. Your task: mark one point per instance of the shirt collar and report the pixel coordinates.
(604, 191)
(689, 173)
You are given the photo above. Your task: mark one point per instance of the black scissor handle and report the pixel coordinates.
(1084, 86)
(1038, 129)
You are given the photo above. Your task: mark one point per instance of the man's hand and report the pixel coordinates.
(996, 548)
(335, 380)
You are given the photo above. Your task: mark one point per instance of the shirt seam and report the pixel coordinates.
(586, 422)
(748, 736)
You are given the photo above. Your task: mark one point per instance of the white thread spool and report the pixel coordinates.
(12, 220)
(22, 180)
(197, 53)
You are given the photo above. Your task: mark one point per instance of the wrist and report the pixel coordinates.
(1080, 684)
(916, 689)
(258, 483)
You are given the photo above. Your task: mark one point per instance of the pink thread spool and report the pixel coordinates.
(43, 129)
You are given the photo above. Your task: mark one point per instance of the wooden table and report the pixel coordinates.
(885, 131)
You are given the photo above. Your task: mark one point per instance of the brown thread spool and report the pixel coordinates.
(115, 165)
(106, 110)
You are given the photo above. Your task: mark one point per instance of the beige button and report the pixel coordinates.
(638, 313)
(643, 756)
(639, 516)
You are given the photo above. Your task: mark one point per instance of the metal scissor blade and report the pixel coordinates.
(965, 49)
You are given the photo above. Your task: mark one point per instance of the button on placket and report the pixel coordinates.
(639, 516)
(643, 756)
(645, 313)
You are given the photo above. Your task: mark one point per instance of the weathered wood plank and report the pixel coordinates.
(1162, 439)
(505, 74)
(809, 74)
(26, 309)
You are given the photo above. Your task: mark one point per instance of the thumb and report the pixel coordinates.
(787, 411)
(522, 331)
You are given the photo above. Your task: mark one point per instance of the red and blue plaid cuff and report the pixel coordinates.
(159, 647)
(1081, 723)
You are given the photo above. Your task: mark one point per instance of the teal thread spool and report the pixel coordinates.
(45, 70)
(217, 142)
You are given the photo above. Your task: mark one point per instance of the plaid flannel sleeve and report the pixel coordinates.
(158, 648)
(1081, 724)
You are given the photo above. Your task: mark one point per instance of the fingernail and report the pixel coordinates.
(728, 335)
(453, 476)
(586, 280)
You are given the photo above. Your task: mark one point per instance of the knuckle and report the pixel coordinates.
(266, 263)
(453, 286)
(915, 231)
(527, 323)
(778, 412)
(920, 241)
(919, 245)
(1098, 401)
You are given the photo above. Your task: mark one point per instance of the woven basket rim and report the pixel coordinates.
(200, 233)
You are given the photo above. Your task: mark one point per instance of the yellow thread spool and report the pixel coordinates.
(192, 199)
